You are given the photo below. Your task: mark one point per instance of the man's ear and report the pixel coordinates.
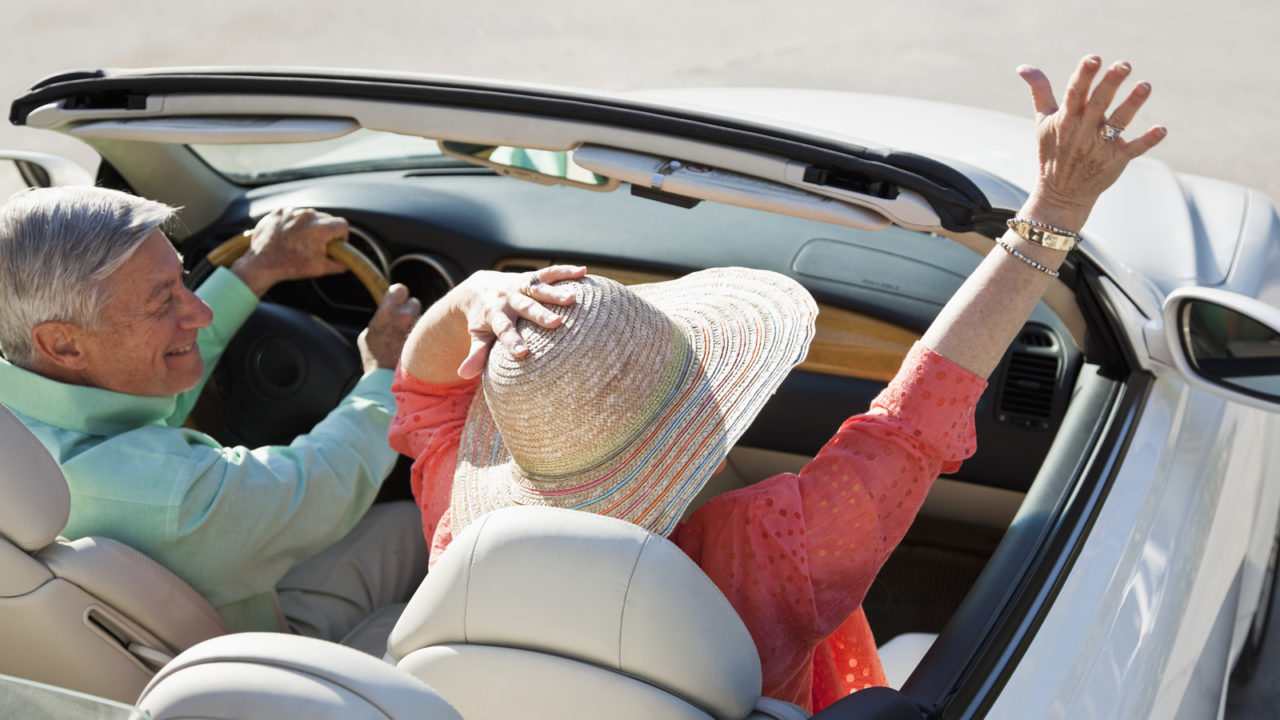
(60, 344)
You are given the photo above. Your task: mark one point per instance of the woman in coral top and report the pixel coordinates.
(624, 401)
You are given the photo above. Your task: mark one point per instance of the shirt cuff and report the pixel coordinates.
(934, 399)
(233, 300)
(376, 386)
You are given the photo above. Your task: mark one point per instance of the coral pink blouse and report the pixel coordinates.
(794, 554)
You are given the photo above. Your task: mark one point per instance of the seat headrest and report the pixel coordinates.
(34, 500)
(592, 588)
(252, 676)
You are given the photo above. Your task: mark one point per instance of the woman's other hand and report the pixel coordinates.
(453, 338)
(494, 301)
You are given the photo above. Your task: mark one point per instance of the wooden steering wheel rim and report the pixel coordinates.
(354, 260)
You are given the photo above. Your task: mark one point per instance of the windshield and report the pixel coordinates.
(357, 151)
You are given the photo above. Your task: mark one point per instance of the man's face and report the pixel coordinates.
(146, 342)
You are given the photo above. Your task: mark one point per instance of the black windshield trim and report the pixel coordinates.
(959, 203)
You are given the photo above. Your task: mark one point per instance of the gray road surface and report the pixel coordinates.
(1214, 65)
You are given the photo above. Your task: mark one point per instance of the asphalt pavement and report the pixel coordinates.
(1214, 66)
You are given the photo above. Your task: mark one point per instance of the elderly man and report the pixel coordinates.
(105, 352)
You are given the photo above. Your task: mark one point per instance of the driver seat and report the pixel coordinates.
(91, 615)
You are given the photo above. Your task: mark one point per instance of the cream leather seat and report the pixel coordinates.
(902, 654)
(91, 614)
(265, 676)
(549, 613)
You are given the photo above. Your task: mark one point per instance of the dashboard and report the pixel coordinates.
(877, 290)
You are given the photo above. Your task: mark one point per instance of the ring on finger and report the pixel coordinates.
(1110, 132)
(534, 282)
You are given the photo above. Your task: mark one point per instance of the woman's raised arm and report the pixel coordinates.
(1081, 155)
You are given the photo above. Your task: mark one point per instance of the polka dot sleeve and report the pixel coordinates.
(796, 553)
(427, 427)
(863, 490)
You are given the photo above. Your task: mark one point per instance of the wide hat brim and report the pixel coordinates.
(745, 330)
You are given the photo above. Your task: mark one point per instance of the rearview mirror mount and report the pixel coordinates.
(545, 167)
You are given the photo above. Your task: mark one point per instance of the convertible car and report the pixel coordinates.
(1111, 549)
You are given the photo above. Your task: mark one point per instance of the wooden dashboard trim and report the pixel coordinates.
(845, 343)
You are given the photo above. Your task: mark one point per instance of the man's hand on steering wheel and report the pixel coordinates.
(290, 244)
(381, 342)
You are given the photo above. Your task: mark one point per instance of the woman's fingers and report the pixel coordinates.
(1078, 89)
(1124, 113)
(529, 305)
(1041, 90)
(1146, 141)
(546, 291)
(556, 273)
(504, 328)
(477, 356)
(1105, 92)
(498, 300)
(541, 285)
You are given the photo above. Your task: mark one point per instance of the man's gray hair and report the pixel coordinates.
(57, 245)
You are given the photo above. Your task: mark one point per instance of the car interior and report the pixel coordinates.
(487, 189)
(97, 617)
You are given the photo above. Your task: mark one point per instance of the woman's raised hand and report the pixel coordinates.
(1081, 150)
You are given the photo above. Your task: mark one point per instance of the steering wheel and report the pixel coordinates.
(285, 369)
(354, 260)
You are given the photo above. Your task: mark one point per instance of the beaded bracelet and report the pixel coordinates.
(1014, 252)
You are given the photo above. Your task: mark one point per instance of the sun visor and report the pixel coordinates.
(700, 182)
(218, 130)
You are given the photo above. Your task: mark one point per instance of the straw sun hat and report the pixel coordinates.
(629, 406)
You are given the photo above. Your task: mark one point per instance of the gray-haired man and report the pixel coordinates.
(105, 352)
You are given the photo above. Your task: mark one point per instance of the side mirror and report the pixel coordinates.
(1223, 343)
(19, 170)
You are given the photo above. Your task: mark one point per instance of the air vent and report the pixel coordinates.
(1026, 397)
(1036, 338)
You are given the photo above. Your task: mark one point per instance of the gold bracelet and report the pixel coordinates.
(1042, 234)
(1014, 252)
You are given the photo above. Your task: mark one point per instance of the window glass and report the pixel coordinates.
(357, 151)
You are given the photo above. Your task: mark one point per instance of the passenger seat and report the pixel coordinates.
(538, 612)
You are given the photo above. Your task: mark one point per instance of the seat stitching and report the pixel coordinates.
(466, 589)
(627, 597)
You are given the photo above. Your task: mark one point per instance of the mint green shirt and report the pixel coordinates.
(228, 520)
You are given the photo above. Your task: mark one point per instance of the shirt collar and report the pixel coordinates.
(78, 407)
